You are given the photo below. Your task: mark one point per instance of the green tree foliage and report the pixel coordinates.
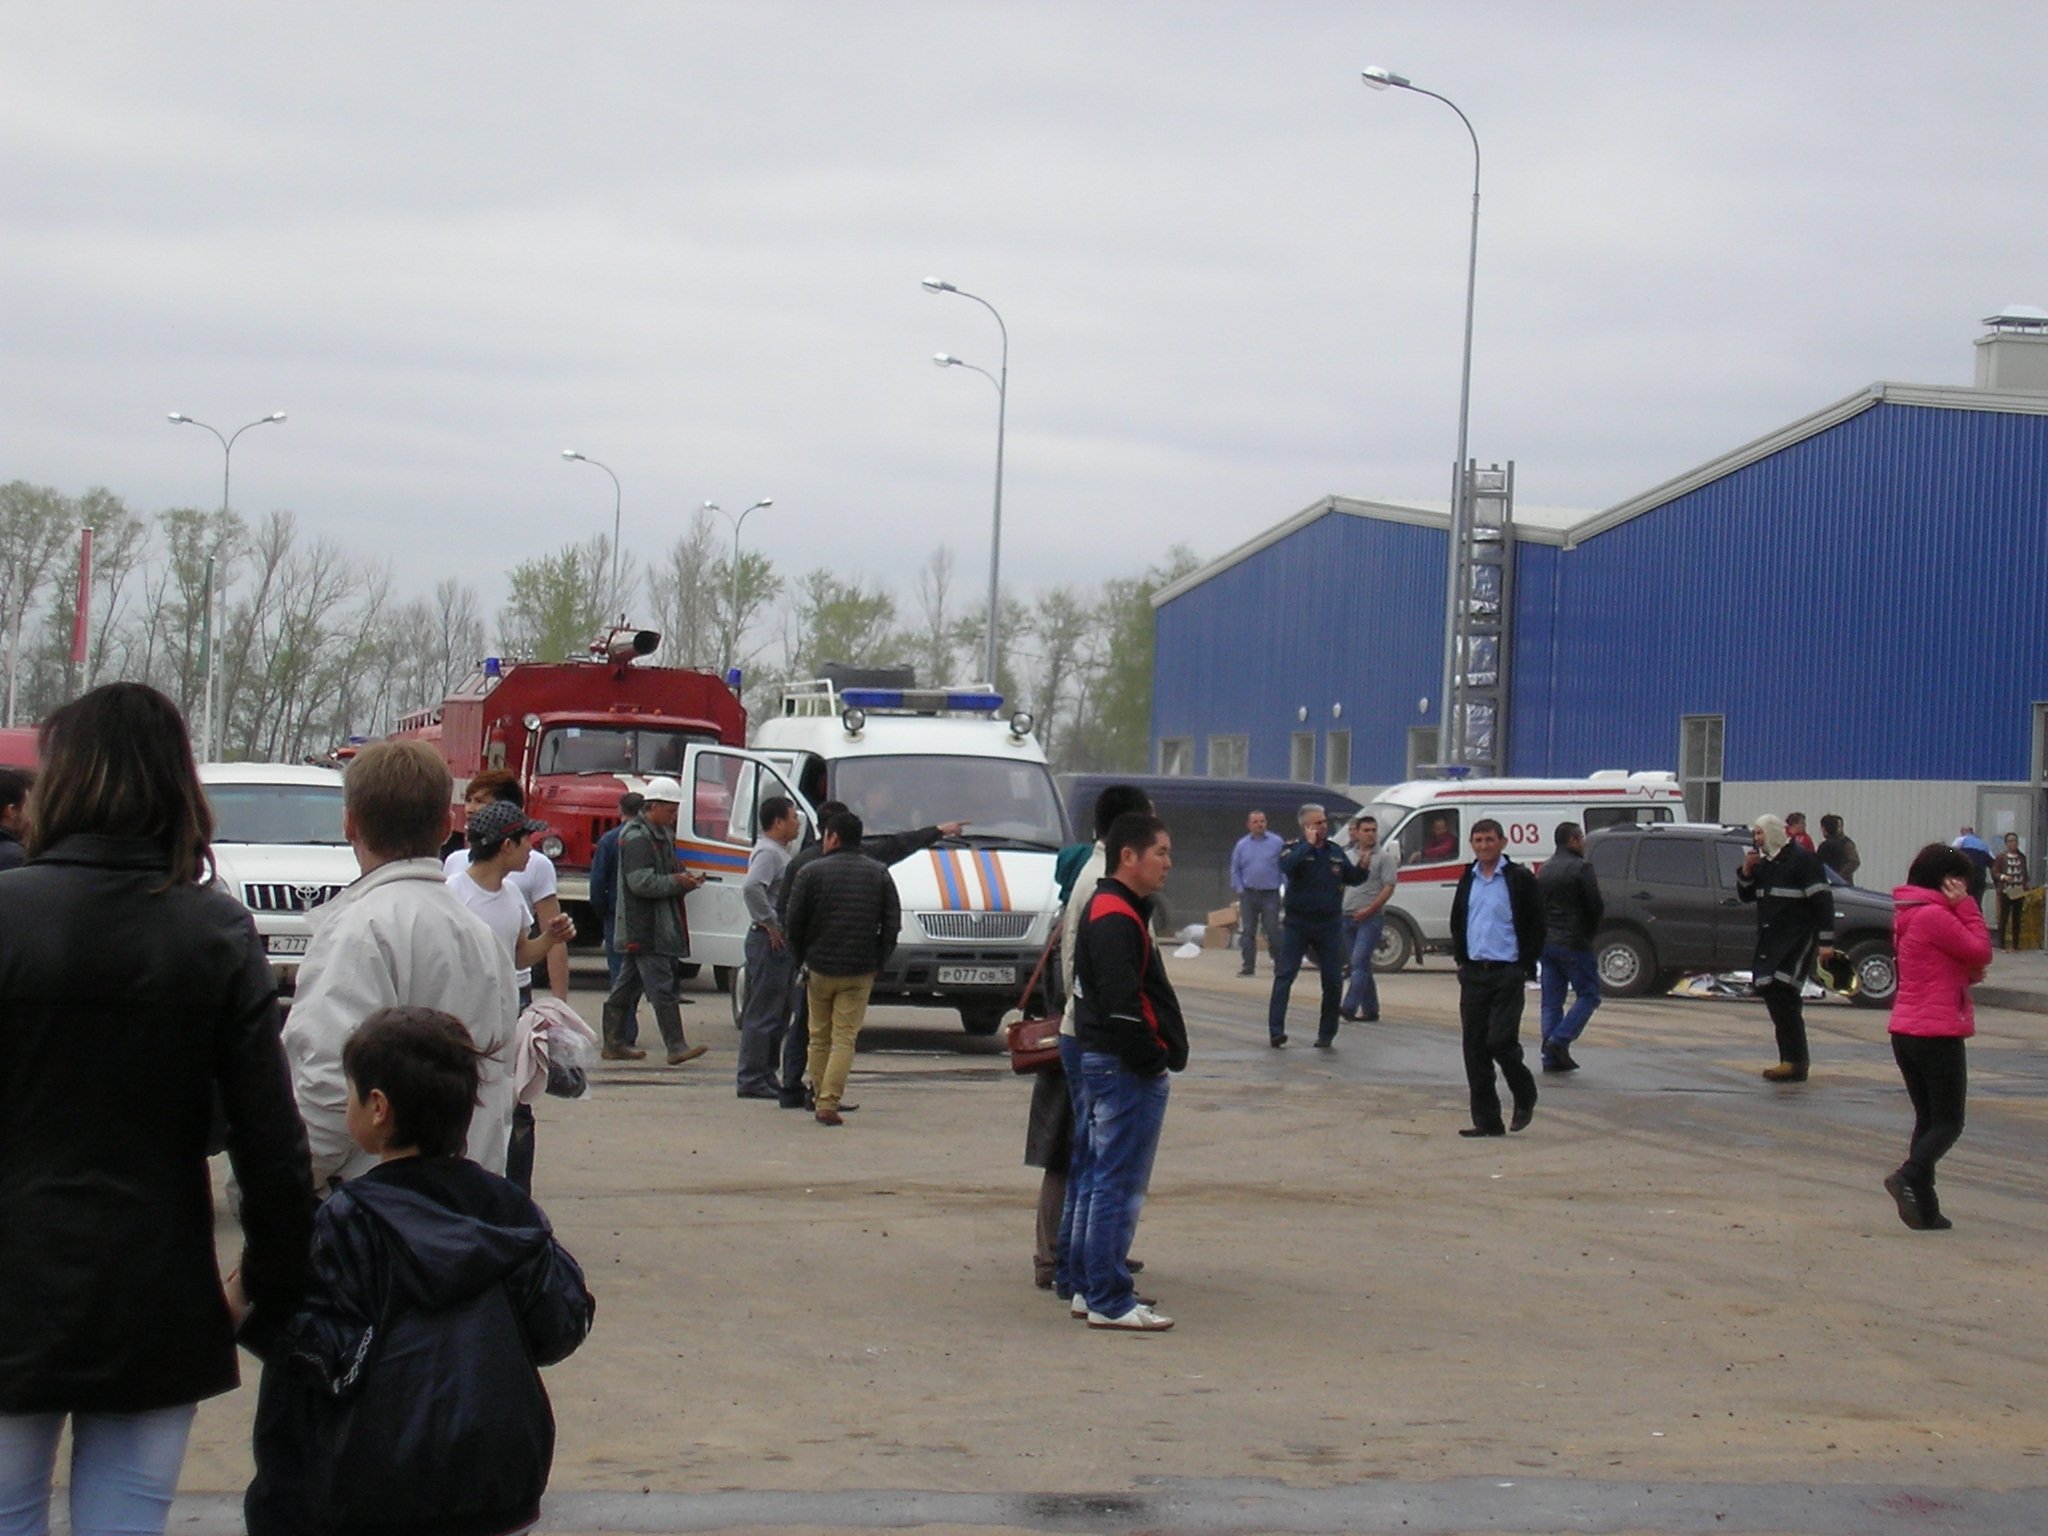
(555, 605)
(1121, 733)
(844, 621)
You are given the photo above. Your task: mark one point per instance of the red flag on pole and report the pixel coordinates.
(79, 623)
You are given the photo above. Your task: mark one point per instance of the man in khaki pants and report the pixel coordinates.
(843, 916)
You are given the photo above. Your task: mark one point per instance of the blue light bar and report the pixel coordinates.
(988, 701)
(873, 698)
(929, 699)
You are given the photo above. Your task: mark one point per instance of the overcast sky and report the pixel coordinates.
(686, 239)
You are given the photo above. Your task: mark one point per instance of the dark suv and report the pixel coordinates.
(1672, 911)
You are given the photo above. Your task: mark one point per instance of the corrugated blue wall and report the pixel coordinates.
(1347, 610)
(1866, 604)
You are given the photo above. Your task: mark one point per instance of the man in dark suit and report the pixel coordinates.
(1497, 938)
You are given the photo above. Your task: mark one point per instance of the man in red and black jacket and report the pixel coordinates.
(1129, 1027)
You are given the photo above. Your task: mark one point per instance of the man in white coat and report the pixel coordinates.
(398, 937)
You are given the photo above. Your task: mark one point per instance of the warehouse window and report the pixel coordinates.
(1230, 757)
(1421, 749)
(1301, 757)
(1699, 757)
(1176, 756)
(1337, 759)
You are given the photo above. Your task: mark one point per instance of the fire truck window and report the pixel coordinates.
(711, 797)
(1430, 838)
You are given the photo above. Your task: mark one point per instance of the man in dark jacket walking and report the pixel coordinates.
(1128, 1024)
(1316, 871)
(843, 917)
(1497, 938)
(650, 928)
(1795, 925)
(1571, 916)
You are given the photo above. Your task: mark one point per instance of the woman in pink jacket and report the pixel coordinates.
(1939, 936)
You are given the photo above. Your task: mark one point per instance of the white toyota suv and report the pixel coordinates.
(277, 843)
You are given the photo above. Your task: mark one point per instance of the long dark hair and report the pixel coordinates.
(118, 762)
(1934, 864)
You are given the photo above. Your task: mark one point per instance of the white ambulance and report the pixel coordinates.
(1430, 822)
(978, 908)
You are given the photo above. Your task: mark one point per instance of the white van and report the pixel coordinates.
(1430, 822)
(977, 909)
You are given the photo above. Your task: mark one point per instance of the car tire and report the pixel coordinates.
(1396, 946)
(1877, 973)
(982, 1018)
(1627, 967)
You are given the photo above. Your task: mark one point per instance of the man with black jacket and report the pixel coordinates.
(1129, 1027)
(1795, 925)
(886, 849)
(1316, 872)
(1497, 938)
(843, 917)
(1571, 916)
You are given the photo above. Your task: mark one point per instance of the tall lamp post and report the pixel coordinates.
(1451, 747)
(617, 500)
(1002, 383)
(732, 644)
(227, 461)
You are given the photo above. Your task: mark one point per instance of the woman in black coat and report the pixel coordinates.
(131, 991)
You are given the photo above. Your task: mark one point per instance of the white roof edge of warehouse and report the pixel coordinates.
(1954, 397)
(1537, 525)
(1530, 523)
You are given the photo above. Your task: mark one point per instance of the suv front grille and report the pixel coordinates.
(287, 898)
(979, 927)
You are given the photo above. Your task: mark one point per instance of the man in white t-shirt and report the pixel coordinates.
(536, 880)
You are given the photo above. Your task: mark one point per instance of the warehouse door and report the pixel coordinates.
(2003, 808)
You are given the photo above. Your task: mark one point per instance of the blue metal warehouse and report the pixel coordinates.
(1845, 616)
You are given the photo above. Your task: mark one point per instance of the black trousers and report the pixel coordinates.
(2010, 909)
(1788, 1019)
(1490, 1011)
(1937, 1082)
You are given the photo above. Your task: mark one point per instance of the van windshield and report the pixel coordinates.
(1000, 801)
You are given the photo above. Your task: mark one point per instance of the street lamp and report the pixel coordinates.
(1450, 748)
(227, 460)
(732, 645)
(1002, 384)
(617, 498)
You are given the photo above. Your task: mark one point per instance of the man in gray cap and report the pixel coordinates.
(653, 935)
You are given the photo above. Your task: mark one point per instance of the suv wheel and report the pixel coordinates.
(1877, 973)
(1626, 966)
(1396, 946)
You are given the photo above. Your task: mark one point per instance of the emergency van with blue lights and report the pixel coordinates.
(977, 908)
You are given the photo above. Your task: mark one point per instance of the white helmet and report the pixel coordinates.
(663, 788)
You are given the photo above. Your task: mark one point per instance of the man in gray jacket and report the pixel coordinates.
(843, 916)
(651, 930)
(769, 966)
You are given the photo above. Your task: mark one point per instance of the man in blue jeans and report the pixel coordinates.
(1571, 916)
(1365, 914)
(1127, 1023)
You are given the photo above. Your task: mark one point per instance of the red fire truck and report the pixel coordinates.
(580, 733)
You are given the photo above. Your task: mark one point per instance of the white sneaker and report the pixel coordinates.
(1140, 1319)
(1080, 1306)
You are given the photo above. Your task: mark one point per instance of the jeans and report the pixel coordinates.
(1257, 910)
(1324, 935)
(769, 973)
(1788, 1021)
(1490, 1016)
(1573, 967)
(124, 1469)
(613, 962)
(1125, 1113)
(657, 977)
(1936, 1081)
(1362, 997)
(839, 1006)
(1070, 1272)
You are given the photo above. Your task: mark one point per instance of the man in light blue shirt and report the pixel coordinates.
(1497, 938)
(1255, 876)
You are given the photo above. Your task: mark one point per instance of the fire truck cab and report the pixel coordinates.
(977, 909)
(580, 733)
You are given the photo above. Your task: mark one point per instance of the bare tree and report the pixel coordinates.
(683, 591)
(935, 640)
(35, 526)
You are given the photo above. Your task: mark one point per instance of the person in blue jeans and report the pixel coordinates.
(1365, 915)
(1571, 916)
(1128, 1027)
(1316, 872)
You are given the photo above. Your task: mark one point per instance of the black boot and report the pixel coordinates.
(1908, 1201)
(1931, 1219)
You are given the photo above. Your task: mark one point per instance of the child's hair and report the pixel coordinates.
(425, 1064)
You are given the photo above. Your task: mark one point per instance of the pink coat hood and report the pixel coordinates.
(1942, 948)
